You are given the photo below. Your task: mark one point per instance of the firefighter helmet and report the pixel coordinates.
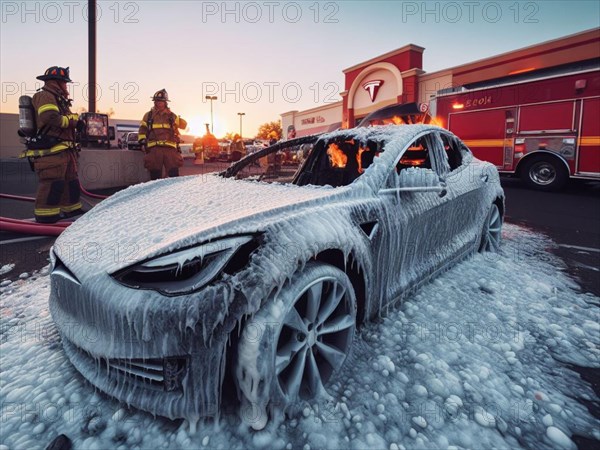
(56, 73)
(161, 96)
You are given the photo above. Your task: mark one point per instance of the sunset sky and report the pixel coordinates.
(260, 58)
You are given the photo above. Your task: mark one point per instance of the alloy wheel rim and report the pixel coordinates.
(315, 338)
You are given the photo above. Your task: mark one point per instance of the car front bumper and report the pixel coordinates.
(164, 355)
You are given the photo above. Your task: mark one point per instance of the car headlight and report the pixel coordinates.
(183, 271)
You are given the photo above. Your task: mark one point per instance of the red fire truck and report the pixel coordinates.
(542, 128)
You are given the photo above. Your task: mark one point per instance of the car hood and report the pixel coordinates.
(157, 217)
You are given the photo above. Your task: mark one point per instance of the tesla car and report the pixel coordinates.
(172, 294)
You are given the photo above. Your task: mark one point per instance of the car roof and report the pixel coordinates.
(382, 132)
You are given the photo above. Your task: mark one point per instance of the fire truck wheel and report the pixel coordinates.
(544, 173)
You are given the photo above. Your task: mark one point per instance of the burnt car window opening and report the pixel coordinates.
(452, 148)
(423, 163)
(416, 155)
(338, 162)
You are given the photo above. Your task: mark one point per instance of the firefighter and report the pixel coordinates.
(272, 138)
(159, 135)
(237, 148)
(53, 153)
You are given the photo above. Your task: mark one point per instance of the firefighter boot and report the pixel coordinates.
(155, 174)
(173, 172)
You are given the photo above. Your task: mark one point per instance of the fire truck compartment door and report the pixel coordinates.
(563, 145)
(547, 118)
(589, 139)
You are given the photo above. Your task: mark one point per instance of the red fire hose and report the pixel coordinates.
(39, 229)
(17, 197)
(89, 194)
(32, 228)
(27, 222)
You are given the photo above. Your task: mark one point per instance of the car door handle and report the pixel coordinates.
(485, 178)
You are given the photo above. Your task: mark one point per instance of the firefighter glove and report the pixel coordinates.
(142, 142)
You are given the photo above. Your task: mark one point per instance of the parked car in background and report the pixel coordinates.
(255, 146)
(187, 150)
(371, 215)
(131, 141)
(122, 141)
(219, 152)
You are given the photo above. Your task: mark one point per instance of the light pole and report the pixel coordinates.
(211, 98)
(241, 114)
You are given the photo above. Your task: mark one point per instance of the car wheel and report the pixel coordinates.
(492, 231)
(297, 342)
(544, 173)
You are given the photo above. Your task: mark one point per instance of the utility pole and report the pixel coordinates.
(241, 114)
(92, 55)
(211, 98)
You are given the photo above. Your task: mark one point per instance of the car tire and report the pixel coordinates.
(296, 343)
(544, 173)
(491, 235)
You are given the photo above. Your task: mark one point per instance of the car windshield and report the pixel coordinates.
(337, 161)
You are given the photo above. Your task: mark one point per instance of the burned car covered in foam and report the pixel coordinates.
(173, 293)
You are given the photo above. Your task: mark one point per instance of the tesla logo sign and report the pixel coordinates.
(372, 87)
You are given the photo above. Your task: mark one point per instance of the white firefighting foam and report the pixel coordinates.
(477, 358)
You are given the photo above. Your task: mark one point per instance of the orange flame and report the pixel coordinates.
(414, 156)
(337, 157)
(437, 121)
(359, 159)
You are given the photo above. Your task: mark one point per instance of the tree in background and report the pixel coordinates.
(266, 129)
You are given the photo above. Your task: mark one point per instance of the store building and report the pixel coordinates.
(397, 77)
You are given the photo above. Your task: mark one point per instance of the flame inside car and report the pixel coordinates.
(414, 156)
(337, 157)
(359, 153)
